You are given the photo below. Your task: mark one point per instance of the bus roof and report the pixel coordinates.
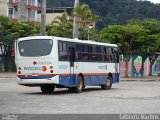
(68, 39)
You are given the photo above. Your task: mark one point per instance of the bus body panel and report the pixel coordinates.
(94, 73)
(36, 70)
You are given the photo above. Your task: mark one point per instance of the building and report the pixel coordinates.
(52, 13)
(29, 10)
(20, 9)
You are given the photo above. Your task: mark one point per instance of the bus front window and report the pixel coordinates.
(35, 47)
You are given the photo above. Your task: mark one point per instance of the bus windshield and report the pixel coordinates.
(35, 47)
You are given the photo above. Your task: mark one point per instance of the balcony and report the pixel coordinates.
(33, 7)
(13, 4)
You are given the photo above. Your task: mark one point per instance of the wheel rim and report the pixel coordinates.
(80, 85)
(108, 82)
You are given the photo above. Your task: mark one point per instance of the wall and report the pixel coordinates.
(156, 67)
(49, 17)
(3, 7)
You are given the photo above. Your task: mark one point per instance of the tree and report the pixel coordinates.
(6, 39)
(5, 33)
(86, 18)
(61, 27)
(16, 30)
(24, 29)
(153, 50)
(150, 48)
(152, 42)
(12, 31)
(83, 13)
(128, 38)
(115, 11)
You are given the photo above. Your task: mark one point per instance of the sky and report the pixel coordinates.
(155, 1)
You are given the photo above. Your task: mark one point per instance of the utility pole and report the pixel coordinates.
(75, 25)
(43, 18)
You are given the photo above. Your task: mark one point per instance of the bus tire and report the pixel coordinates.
(80, 84)
(84, 87)
(47, 88)
(71, 89)
(108, 84)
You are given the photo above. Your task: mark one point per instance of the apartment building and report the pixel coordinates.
(20, 9)
(52, 13)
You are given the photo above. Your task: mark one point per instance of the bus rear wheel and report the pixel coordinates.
(108, 84)
(47, 88)
(71, 89)
(79, 86)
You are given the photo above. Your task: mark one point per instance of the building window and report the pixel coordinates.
(10, 1)
(10, 12)
(32, 2)
(31, 15)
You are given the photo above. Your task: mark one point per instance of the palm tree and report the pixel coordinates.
(61, 26)
(83, 14)
(86, 18)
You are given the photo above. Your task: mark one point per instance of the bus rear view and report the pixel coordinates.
(35, 62)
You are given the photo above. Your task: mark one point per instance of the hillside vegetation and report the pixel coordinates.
(115, 11)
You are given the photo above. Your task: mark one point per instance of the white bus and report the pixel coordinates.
(55, 62)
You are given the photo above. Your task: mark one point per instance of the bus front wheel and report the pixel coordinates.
(47, 88)
(80, 84)
(108, 84)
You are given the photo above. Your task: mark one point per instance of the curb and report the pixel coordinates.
(7, 77)
(139, 80)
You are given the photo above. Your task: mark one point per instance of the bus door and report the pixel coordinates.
(72, 59)
(116, 61)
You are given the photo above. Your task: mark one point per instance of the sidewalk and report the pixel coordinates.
(8, 74)
(146, 78)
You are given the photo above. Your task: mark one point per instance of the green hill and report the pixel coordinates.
(115, 11)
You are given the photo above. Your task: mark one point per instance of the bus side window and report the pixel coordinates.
(116, 55)
(98, 53)
(104, 51)
(93, 54)
(85, 52)
(63, 55)
(106, 57)
(110, 54)
(71, 54)
(90, 49)
(78, 51)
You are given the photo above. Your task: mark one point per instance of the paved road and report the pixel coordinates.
(125, 97)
